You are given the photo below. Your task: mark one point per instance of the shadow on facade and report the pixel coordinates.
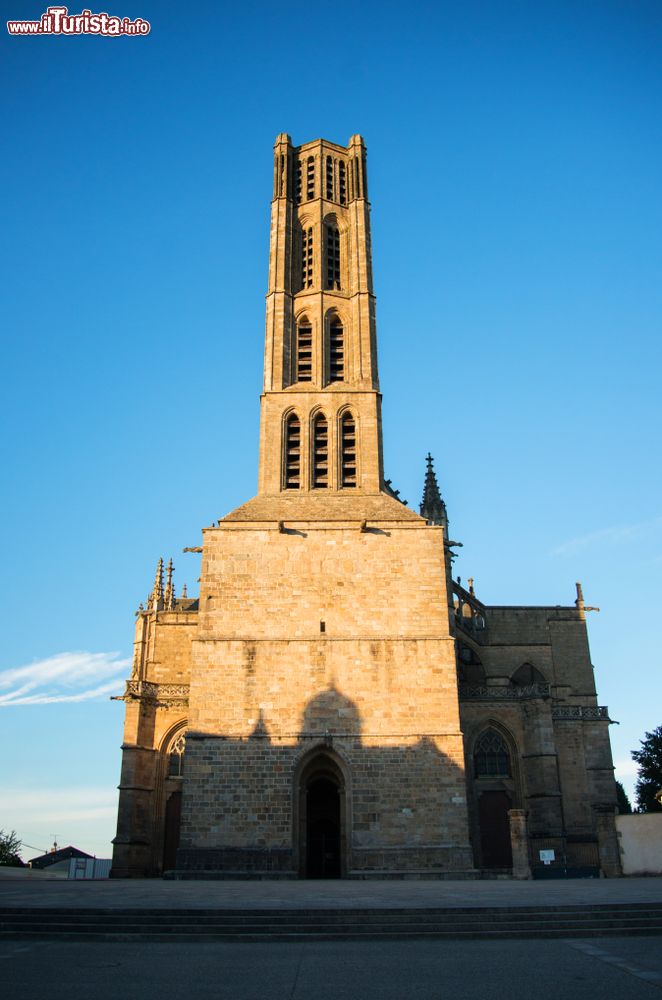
(329, 801)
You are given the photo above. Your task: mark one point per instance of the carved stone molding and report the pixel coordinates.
(164, 695)
(479, 692)
(581, 713)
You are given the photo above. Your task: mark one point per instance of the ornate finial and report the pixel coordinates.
(184, 594)
(432, 507)
(156, 597)
(471, 585)
(169, 597)
(158, 580)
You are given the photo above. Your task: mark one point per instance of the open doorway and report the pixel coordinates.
(495, 845)
(322, 818)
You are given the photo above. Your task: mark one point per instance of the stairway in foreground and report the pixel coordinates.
(484, 923)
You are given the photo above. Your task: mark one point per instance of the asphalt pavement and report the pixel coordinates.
(613, 969)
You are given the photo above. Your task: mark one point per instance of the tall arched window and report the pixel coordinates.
(341, 183)
(320, 452)
(332, 257)
(336, 351)
(176, 757)
(306, 258)
(292, 453)
(304, 351)
(347, 451)
(310, 179)
(491, 757)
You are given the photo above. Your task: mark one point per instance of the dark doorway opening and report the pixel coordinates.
(495, 846)
(173, 813)
(323, 828)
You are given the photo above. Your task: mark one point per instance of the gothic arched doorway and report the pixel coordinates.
(322, 818)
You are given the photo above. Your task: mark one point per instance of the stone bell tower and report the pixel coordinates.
(323, 733)
(320, 367)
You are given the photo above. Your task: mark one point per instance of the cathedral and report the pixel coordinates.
(334, 704)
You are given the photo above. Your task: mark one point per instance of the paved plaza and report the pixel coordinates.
(611, 969)
(341, 893)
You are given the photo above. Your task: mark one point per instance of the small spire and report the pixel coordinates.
(169, 596)
(432, 507)
(157, 593)
(184, 594)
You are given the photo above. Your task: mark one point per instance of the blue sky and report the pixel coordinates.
(514, 164)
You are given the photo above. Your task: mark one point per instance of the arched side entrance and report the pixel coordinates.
(322, 816)
(494, 788)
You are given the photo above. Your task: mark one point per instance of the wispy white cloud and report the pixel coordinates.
(607, 536)
(65, 677)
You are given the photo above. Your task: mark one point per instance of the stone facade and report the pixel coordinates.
(333, 703)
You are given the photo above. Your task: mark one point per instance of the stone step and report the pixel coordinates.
(328, 935)
(155, 925)
(221, 918)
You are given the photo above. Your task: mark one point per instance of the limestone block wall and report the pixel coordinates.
(324, 635)
(388, 580)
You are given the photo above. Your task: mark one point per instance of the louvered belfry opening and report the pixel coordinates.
(304, 352)
(329, 178)
(320, 452)
(310, 179)
(306, 258)
(336, 351)
(347, 451)
(299, 182)
(292, 452)
(341, 183)
(332, 257)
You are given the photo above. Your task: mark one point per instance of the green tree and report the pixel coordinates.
(10, 846)
(624, 805)
(649, 779)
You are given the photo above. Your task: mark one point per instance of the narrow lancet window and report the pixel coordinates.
(304, 371)
(292, 453)
(347, 451)
(310, 179)
(336, 351)
(329, 178)
(332, 257)
(342, 184)
(307, 258)
(320, 452)
(491, 757)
